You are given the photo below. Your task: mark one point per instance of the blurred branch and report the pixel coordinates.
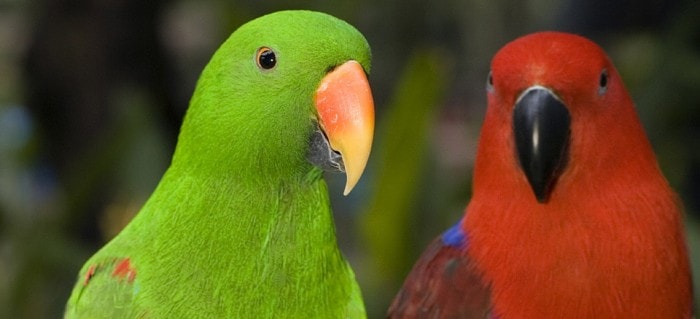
(402, 153)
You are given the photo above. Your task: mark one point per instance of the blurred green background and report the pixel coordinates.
(92, 94)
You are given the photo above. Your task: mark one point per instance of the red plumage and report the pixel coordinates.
(608, 242)
(438, 284)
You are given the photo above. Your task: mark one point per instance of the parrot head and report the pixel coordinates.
(285, 91)
(561, 117)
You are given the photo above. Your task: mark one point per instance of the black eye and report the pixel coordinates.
(489, 82)
(603, 82)
(265, 58)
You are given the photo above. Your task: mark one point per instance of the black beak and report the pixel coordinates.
(321, 154)
(541, 124)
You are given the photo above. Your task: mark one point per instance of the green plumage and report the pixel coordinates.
(240, 225)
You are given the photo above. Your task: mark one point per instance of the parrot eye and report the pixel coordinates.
(265, 58)
(603, 85)
(489, 82)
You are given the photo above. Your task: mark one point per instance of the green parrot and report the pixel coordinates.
(240, 225)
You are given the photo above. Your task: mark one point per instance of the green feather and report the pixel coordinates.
(240, 225)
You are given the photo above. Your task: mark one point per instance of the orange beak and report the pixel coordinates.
(346, 115)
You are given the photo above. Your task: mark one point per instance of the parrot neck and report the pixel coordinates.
(245, 240)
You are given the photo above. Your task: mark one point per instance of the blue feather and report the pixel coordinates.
(455, 236)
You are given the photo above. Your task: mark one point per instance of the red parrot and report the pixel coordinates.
(570, 215)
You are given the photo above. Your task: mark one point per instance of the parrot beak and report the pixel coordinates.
(541, 124)
(346, 117)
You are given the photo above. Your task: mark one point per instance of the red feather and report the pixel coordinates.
(443, 284)
(124, 270)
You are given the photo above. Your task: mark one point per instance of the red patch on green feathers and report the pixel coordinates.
(88, 275)
(124, 270)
